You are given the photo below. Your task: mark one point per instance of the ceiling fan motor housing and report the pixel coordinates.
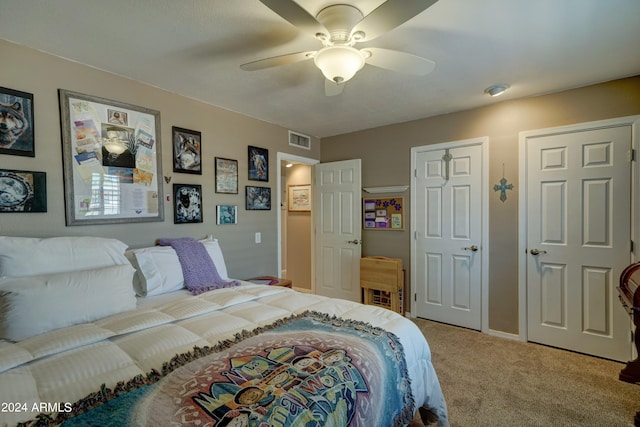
(339, 20)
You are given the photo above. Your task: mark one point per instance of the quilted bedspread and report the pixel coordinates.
(51, 372)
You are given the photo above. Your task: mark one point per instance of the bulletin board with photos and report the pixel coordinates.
(112, 161)
(383, 213)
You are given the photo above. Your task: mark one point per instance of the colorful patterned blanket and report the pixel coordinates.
(308, 370)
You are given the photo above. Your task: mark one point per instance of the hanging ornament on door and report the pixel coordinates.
(503, 187)
(446, 158)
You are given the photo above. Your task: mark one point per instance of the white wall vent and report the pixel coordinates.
(299, 140)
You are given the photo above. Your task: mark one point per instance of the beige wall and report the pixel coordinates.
(386, 152)
(224, 134)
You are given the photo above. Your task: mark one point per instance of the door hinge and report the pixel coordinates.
(632, 246)
(415, 172)
(415, 235)
(415, 297)
(632, 155)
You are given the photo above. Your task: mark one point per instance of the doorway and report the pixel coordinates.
(295, 236)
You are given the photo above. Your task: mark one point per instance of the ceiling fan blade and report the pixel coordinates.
(388, 16)
(276, 61)
(399, 61)
(332, 88)
(296, 15)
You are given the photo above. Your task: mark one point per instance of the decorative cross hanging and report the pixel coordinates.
(503, 186)
(446, 158)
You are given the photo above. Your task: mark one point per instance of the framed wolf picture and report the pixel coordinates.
(16, 123)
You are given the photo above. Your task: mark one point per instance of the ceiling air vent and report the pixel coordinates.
(299, 140)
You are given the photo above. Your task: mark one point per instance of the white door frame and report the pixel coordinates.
(484, 281)
(280, 156)
(634, 122)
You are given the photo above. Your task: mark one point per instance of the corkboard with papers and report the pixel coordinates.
(383, 213)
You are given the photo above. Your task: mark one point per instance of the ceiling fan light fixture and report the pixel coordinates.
(339, 63)
(496, 90)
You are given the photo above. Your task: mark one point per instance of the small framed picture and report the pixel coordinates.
(116, 117)
(258, 198)
(299, 198)
(23, 191)
(226, 214)
(187, 151)
(17, 129)
(258, 164)
(226, 176)
(187, 201)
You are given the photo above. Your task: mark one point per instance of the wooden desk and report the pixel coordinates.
(271, 281)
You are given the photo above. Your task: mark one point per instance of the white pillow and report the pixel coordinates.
(32, 305)
(158, 268)
(27, 256)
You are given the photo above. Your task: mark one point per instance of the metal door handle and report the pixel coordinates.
(472, 248)
(354, 241)
(537, 251)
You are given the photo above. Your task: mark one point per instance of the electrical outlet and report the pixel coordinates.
(258, 237)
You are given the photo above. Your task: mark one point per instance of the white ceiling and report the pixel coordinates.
(195, 47)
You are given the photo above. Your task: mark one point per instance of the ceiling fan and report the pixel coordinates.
(339, 27)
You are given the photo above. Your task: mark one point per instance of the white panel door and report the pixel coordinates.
(448, 235)
(338, 226)
(578, 240)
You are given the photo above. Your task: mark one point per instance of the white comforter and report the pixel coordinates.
(48, 371)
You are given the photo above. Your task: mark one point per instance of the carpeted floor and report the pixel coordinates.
(491, 381)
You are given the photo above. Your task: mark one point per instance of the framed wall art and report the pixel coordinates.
(187, 151)
(383, 213)
(299, 198)
(226, 214)
(226, 176)
(258, 164)
(187, 200)
(258, 198)
(23, 191)
(112, 171)
(16, 123)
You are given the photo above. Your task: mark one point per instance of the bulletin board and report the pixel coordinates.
(383, 213)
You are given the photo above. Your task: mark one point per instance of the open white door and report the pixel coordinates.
(338, 227)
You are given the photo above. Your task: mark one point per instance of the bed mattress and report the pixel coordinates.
(48, 372)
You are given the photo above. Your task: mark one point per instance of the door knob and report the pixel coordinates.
(537, 251)
(354, 241)
(472, 248)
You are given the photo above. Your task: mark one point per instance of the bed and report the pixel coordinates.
(93, 333)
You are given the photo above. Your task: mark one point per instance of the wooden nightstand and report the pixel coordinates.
(271, 281)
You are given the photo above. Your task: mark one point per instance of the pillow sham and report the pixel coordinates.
(27, 256)
(32, 305)
(158, 269)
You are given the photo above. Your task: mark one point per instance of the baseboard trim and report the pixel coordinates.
(501, 334)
